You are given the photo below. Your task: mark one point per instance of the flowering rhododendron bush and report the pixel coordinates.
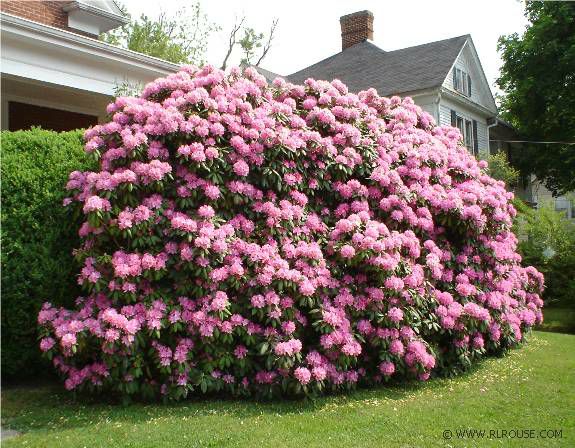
(283, 239)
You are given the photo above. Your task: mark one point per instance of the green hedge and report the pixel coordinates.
(38, 235)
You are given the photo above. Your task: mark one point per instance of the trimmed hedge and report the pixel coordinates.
(38, 236)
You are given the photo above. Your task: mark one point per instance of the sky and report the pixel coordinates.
(309, 30)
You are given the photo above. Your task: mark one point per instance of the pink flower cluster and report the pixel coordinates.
(275, 238)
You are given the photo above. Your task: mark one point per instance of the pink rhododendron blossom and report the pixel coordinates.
(241, 168)
(46, 344)
(96, 203)
(387, 368)
(303, 375)
(395, 314)
(347, 251)
(240, 351)
(68, 340)
(396, 347)
(288, 348)
(266, 237)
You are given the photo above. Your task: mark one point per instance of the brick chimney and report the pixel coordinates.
(356, 28)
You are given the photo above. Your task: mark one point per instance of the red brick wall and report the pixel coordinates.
(356, 28)
(45, 12)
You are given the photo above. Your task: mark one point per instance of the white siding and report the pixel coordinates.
(428, 102)
(483, 139)
(444, 116)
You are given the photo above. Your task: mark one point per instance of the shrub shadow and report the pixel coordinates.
(49, 407)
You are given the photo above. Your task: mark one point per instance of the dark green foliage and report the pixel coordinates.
(38, 235)
(547, 242)
(500, 169)
(538, 78)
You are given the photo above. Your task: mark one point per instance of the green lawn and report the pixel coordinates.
(532, 388)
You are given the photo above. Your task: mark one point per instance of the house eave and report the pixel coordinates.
(91, 19)
(419, 92)
(62, 38)
(78, 5)
(462, 99)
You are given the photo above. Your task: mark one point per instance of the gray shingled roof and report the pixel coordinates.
(270, 76)
(365, 65)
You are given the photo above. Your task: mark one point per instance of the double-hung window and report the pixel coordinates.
(468, 129)
(461, 81)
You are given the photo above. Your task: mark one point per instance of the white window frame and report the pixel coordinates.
(465, 126)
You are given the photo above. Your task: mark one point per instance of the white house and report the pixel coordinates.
(55, 73)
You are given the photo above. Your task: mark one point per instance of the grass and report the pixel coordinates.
(561, 320)
(530, 388)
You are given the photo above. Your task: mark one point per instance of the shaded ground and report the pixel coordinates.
(560, 320)
(532, 388)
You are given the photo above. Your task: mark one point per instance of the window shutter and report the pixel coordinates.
(475, 142)
(453, 119)
(469, 84)
(454, 78)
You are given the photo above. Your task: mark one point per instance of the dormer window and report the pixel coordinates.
(462, 81)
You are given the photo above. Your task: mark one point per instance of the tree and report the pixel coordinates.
(501, 169)
(181, 39)
(538, 78)
(268, 44)
(233, 40)
(250, 43)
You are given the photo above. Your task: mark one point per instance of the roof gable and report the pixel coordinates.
(469, 61)
(365, 65)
